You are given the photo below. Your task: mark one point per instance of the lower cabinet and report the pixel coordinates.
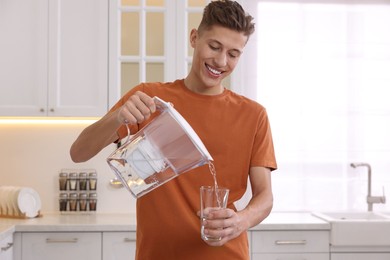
(265, 245)
(61, 246)
(73, 246)
(6, 248)
(118, 245)
(290, 245)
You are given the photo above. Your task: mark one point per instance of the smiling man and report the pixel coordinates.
(234, 129)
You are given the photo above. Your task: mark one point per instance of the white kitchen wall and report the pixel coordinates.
(33, 154)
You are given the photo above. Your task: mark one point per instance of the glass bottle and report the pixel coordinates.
(92, 201)
(63, 201)
(83, 201)
(63, 180)
(73, 202)
(83, 181)
(92, 180)
(72, 181)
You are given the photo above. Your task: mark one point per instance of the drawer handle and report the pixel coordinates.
(8, 246)
(129, 240)
(290, 242)
(52, 240)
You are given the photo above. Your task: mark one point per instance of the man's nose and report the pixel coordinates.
(221, 59)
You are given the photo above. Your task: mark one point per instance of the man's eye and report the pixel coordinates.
(214, 48)
(234, 55)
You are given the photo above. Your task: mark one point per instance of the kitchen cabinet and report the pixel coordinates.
(290, 245)
(6, 248)
(119, 245)
(61, 246)
(54, 57)
(108, 245)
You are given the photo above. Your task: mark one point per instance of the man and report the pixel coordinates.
(234, 129)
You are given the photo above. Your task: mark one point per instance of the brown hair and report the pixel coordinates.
(228, 14)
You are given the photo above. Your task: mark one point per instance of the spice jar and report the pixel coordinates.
(72, 181)
(92, 180)
(92, 201)
(73, 201)
(63, 201)
(63, 180)
(83, 181)
(83, 201)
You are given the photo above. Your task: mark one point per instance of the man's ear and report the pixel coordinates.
(193, 37)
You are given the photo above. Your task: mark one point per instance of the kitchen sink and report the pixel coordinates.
(357, 228)
(351, 216)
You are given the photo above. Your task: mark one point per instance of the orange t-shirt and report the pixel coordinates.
(236, 132)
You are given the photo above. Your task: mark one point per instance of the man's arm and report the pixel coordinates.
(95, 137)
(260, 205)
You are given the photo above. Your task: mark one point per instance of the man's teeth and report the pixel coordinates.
(213, 70)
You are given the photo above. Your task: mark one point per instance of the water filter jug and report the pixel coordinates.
(162, 150)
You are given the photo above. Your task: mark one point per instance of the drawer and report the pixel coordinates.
(61, 246)
(290, 256)
(290, 241)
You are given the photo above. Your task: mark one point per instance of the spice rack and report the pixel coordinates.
(77, 191)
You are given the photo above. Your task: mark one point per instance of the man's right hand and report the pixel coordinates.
(138, 107)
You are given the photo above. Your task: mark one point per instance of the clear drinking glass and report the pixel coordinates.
(211, 199)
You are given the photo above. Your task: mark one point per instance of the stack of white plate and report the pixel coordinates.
(19, 202)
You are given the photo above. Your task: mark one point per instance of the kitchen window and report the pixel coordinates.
(322, 72)
(149, 41)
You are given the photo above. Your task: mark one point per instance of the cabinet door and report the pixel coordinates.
(61, 246)
(6, 248)
(23, 57)
(290, 241)
(287, 256)
(54, 57)
(118, 245)
(78, 56)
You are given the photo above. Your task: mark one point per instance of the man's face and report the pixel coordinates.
(216, 53)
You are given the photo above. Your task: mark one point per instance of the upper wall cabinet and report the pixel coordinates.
(53, 57)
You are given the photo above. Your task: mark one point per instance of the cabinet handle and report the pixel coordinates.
(128, 240)
(51, 109)
(290, 258)
(42, 110)
(8, 246)
(53, 240)
(290, 242)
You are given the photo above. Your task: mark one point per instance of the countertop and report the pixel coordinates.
(292, 221)
(127, 222)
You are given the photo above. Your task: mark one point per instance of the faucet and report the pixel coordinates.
(370, 199)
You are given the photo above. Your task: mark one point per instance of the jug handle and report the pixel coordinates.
(128, 133)
(160, 104)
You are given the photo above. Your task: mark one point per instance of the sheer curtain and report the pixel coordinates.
(323, 73)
